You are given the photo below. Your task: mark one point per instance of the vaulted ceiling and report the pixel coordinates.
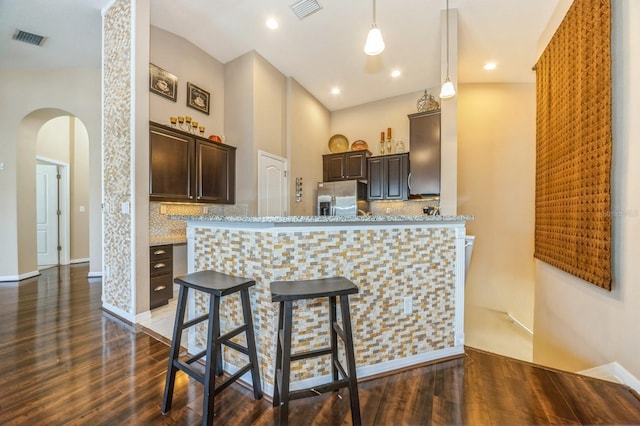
(321, 51)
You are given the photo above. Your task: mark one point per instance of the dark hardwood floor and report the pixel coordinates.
(63, 361)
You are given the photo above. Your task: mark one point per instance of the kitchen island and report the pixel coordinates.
(409, 271)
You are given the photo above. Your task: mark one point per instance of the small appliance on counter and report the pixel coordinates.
(340, 198)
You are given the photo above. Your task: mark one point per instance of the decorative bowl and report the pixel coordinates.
(359, 145)
(338, 143)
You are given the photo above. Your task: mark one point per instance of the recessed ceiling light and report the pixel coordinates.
(272, 23)
(490, 66)
(395, 73)
(335, 91)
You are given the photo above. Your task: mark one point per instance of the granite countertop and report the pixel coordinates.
(302, 220)
(167, 239)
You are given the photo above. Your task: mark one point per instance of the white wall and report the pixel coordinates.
(238, 125)
(308, 133)
(49, 94)
(191, 64)
(578, 325)
(496, 184)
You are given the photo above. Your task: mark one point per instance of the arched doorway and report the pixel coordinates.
(56, 137)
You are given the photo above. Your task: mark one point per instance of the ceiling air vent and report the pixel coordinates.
(29, 38)
(304, 8)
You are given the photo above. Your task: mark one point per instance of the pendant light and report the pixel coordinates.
(447, 90)
(374, 44)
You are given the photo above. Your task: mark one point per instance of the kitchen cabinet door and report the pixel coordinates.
(397, 174)
(375, 185)
(424, 149)
(333, 167)
(215, 173)
(345, 166)
(388, 177)
(170, 166)
(190, 168)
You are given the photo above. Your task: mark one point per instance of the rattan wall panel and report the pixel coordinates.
(573, 145)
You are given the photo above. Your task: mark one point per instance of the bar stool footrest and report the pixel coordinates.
(318, 390)
(183, 366)
(311, 354)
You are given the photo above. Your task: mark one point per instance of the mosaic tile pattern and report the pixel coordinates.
(164, 228)
(386, 265)
(401, 208)
(116, 157)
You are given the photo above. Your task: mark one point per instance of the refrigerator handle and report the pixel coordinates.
(333, 205)
(409, 181)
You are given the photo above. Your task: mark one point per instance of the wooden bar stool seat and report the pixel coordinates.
(286, 292)
(217, 285)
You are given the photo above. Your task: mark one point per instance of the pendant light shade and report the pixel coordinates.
(447, 90)
(374, 44)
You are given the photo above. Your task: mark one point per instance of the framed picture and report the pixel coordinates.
(163, 83)
(197, 98)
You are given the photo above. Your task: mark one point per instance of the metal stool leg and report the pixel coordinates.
(333, 319)
(210, 365)
(351, 361)
(174, 351)
(251, 344)
(286, 363)
(278, 368)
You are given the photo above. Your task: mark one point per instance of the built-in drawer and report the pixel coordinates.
(161, 252)
(161, 275)
(161, 267)
(161, 290)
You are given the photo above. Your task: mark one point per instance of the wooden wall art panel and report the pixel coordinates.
(573, 145)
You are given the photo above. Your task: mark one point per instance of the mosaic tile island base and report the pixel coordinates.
(389, 258)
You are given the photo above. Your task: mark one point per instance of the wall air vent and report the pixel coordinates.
(304, 8)
(29, 38)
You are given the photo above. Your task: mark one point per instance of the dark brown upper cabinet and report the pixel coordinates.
(345, 166)
(189, 168)
(388, 177)
(424, 149)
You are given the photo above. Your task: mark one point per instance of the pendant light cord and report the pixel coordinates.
(447, 37)
(374, 13)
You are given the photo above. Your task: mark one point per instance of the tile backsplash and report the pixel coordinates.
(401, 208)
(160, 226)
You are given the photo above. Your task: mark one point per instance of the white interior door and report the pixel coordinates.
(272, 185)
(47, 213)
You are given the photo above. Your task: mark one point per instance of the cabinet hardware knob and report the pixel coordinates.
(160, 288)
(157, 252)
(159, 265)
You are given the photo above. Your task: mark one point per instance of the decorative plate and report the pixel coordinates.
(359, 145)
(338, 143)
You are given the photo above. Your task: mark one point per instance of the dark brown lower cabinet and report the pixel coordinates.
(388, 177)
(161, 275)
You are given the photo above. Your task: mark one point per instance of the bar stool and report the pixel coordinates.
(216, 285)
(286, 292)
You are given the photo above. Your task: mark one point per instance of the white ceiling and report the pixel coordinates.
(321, 51)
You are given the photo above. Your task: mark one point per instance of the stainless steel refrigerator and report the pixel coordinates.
(340, 198)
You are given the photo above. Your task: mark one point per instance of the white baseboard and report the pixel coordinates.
(19, 277)
(119, 312)
(613, 372)
(97, 274)
(361, 372)
(74, 261)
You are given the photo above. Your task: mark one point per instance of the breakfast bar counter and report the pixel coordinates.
(409, 271)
